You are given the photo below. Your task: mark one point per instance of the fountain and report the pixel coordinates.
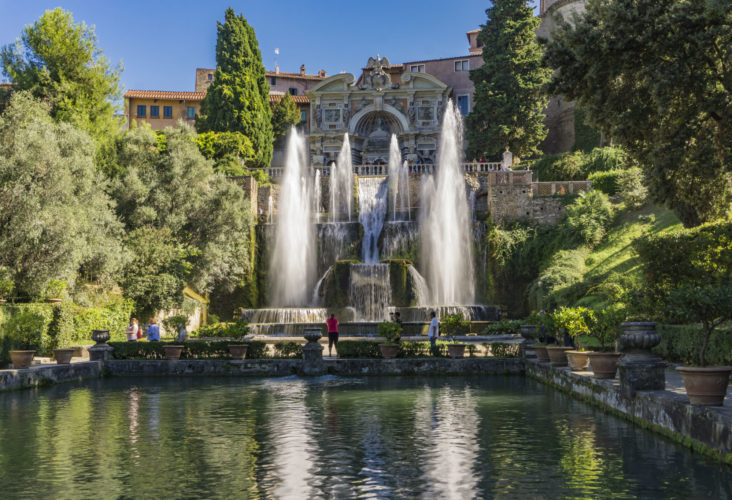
(398, 182)
(445, 222)
(341, 184)
(372, 193)
(292, 267)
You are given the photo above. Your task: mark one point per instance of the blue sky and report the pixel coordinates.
(160, 43)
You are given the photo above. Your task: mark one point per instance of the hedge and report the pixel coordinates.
(370, 349)
(607, 182)
(193, 349)
(679, 344)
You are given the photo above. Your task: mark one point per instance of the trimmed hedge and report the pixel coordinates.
(607, 182)
(680, 343)
(193, 349)
(287, 349)
(369, 349)
(505, 327)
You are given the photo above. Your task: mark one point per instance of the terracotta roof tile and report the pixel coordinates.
(164, 94)
(300, 99)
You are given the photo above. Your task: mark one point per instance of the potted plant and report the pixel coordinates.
(237, 330)
(54, 291)
(574, 321)
(709, 306)
(453, 325)
(392, 332)
(605, 329)
(24, 331)
(570, 321)
(172, 351)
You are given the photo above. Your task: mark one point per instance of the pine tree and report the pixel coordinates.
(284, 115)
(238, 98)
(509, 103)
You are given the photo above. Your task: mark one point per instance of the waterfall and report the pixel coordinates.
(316, 195)
(419, 285)
(370, 291)
(270, 209)
(341, 184)
(292, 267)
(446, 245)
(372, 201)
(399, 240)
(398, 182)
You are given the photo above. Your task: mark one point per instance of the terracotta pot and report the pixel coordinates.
(456, 350)
(706, 386)
(604, 364)
(389, 351)
(172, 352)
(557, 355)
(541, 353)
(238, 351)
(21, 359)
(579, 361)
(63, 356)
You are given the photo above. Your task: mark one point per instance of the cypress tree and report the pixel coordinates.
(284, 115)
(509, 103)
(238, 98)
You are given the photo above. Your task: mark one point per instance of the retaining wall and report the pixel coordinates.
(41, 375)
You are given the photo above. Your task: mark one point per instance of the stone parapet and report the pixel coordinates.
(41, 375)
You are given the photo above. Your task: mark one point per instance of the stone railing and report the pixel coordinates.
(383, 170)
(560, 187)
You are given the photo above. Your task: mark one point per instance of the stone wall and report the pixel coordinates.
(37, 376)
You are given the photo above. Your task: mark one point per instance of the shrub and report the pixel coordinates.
(604, 160)
(196, 349)
(454, 324)
(556, 283)
(171, 323)
(588, 217)
(632, 188)
(504, 327)
(607, 182)
(605, 326)
(391, 331)
(358, 349)
(237, 329)
(54, 289)
(289, 349)
(560, 167)
(680, 344)
(505, 350)
(574, 321)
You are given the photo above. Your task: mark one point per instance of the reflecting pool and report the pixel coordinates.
(332, 437)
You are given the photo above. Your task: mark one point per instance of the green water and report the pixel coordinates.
(330, 437)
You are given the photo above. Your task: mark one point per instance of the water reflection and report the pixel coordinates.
(330, 437)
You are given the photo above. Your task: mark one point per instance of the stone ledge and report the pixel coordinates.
(41, 375)
(707, 430)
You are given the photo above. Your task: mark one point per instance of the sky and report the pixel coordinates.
(161, 43)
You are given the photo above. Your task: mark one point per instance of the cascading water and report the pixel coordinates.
(398, 182)
(292, 267)
(370, 291)
(446, 246)
(341, 184)
(372, 201)
(316, 195)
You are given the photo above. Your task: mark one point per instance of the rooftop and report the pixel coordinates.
(165, 94)
(277, 97)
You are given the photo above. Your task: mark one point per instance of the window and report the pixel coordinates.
(292, 91)
(273, 80)
(191, 112)
(154, 111)
(462, 65)
(168, 111)
(141, 110)
(303, 116)
(210, 77)
(417, 68)
(463, 102)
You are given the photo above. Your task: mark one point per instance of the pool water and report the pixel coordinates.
(333, 437)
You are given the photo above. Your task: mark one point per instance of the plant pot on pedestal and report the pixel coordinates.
(578, 361)
(21, 358)
(389, 351)
(238, 351)
(541, 353)
(604, 364)
(706, 386)
(456, 350)
(173, 352)
(557, 355)
(63, 356)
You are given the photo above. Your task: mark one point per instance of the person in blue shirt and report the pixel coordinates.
(153, 331)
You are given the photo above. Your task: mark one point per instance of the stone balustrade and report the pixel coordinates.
(383, 170)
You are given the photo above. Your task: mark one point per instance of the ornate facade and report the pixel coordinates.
(372, 111)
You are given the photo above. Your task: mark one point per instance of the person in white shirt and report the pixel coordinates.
(434, 329)
(132, 330)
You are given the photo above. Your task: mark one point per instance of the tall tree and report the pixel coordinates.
(657, 78)
(509, 103)
(284, 115)
(59, 62)
(238, 98)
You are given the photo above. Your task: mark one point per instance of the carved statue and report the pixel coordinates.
(318, 116)
(346, 113)
(412, 112)
(376, 77)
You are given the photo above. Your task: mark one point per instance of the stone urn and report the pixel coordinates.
(639, 368)
(21, 359)
(528, 332)
(238, 351)
(706, 386)
(541, 353)
(100, 336)
(389, 351)
(172, 352)
(557, 355)
(604, 364)
(578, 361)
(312, 352)
(456, 351)
(63, 356)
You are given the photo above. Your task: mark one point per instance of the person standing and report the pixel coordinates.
(332, 323)
(398, 318)
(132, 330)
(434, 330)
(153, 331)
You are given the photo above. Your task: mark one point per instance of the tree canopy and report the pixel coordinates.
(238, 98)
(59, 62)
(657, 78)
(509, 103)
(284, 115)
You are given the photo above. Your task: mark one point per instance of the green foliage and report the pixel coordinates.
(261, 176)
(288, 349)
(358, 349)
(55, 289)
(588, 217)
(681, 343)
(454, 324)
(633, 191)
(575, 321)
(193, 349)
(555, 283)
(59, 62)
(57, 222)
(402, 289)
(391, 331)
(658, 86)
(228, 150)
(7, 286)
(505, 350)
(509, 102)
(284, 115)
(586, 137)
(237, 329)
(578, 166)
(606, 325)
(238, 98)
(337, 284)
(113, 316)
(606, 182)
(171, 323)
(504, 327)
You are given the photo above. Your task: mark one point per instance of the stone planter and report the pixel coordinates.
(389, 351)
(541, 353)
(456, 350)
(100, 336)
(639, 369)
(528, 331)
(173, 352)
(21, 359)
(238, 351)
(63, 356)
(604, 364)
(579, 361)
(557, 355)
(706, 386)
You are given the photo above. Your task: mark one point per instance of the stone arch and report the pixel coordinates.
(391, 110)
